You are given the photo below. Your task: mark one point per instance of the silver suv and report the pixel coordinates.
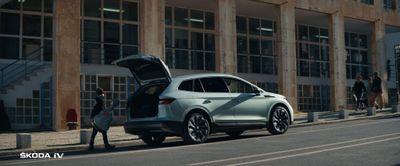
(193, 106)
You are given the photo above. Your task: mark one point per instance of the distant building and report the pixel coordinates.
(308, 50)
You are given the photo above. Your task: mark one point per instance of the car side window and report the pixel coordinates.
(197, 86)
(214, 84)
(186, 85)
(237, 86)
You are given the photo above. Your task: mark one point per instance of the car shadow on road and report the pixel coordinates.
(175, 142)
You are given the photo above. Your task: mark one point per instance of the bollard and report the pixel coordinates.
(395, 108)
(85, 136)
(343, 114)
(312, 116)
(23, 140)
(371, 111)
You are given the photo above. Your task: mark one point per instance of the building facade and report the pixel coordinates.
(55, 53)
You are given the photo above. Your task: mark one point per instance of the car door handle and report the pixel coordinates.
(268, 96)
(206, 101)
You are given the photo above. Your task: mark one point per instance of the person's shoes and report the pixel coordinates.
(91, 147)
(110, 147)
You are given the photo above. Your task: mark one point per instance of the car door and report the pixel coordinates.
(250, 105)
(218, 100)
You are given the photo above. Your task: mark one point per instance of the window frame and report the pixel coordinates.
(125, 49)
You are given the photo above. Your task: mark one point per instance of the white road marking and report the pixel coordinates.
(181, 147)
(290, 150)
(314, 152)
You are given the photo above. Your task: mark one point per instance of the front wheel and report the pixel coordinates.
(278, 121)
(152, 140)
(196, 129)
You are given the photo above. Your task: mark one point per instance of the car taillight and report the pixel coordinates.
(167, 101)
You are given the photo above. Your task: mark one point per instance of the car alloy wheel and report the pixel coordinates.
(196, 128)
(152, 140)
(279, 120)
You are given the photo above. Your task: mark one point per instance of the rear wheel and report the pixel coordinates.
(278, 121)
(152, 140)
(196, 128)
(234, 134)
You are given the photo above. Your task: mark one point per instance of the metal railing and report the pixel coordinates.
(21, 68)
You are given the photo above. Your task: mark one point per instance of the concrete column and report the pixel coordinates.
(286, 43)
(152, 33)
(66, 61)
(378, 56)
(337, 61)
(225, 21)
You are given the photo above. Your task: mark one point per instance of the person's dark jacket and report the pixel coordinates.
(376, 85)
(98, 106)
(358, 87)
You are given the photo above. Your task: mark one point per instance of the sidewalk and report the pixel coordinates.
(50, 141)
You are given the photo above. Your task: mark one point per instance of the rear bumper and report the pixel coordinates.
(153, 127)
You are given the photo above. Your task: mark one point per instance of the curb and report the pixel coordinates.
(321, 122)
(83, 147)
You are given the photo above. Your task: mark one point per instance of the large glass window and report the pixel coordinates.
(181, 17)
(357, 58)
(92, 8)
(92, 31)
(388, 4)
(313, 97)
(110, 30)
(9, 47)
(312, 52)
(255, 46)
(369, 2)
(241, 25)
(189, 39)
(128, 13)
(9, 23)
(398, 6)
(26, 26)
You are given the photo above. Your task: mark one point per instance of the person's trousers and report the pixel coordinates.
(358, 99)
(94, 133)
(373, 99)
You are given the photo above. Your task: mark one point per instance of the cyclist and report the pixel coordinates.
(358, 92)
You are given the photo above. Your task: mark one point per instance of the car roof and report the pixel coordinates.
(200, 75)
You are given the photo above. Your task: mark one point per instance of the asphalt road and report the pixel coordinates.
(373, 142)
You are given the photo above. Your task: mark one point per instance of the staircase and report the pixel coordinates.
(18, 70)
(20, 77)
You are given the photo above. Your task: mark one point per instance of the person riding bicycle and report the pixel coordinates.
(358, 91)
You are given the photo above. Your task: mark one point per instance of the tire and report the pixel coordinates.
(196, 128)
(278, 121)
(234, 134)
(152, 140)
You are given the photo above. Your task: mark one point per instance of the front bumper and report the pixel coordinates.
(153, 127)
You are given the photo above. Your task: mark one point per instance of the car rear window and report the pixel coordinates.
(191, 85)
(186, 85)
(214, 85)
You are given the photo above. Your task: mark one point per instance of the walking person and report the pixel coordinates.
(359, 91)
(96, 110)
(376, 90)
